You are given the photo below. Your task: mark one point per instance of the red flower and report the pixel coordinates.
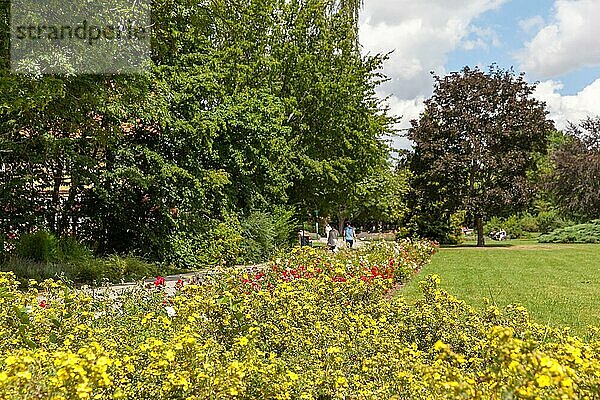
(160, 281)
(43, 304)
(179, 283)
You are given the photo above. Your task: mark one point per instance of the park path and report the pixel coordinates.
(170, 284)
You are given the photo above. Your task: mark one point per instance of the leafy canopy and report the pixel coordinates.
(475, 142)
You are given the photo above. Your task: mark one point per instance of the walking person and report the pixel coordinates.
(327, 230)
(332, 237)
(349, 234)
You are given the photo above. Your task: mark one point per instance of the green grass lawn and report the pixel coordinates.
(559, 284)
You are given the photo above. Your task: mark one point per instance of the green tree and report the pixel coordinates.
(573, 181)
(336, 120)
(247, 108)
(474, 144)
(382, 197)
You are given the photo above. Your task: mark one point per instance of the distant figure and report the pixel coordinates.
(327, 230)
(332, 237)
(349, 234)
(502, 234)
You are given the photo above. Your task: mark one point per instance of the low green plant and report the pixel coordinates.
(26, 269)
(527, 225)
(552, 219)
(70, 249)
(264, 233)
(581, 233)
(90, 270)
(40, 246)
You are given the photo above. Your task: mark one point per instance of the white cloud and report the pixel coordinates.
(421, 34)
(569, 42)
(530, 24)
(409, 110)
(565, 109)
(482, 39)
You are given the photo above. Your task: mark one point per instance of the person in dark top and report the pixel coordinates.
(332, 238)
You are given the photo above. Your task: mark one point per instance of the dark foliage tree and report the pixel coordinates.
(574, 182)
(247, 107)
(474, 144)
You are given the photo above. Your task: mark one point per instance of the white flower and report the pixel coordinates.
(170, 311)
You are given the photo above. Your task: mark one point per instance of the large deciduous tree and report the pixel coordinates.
(475, 142)
(575, 178)
(247, 107)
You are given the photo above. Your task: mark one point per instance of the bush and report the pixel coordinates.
(264, 234)
(112, 269)
(70, 249)
(92, 270)
(217, 244)
(445, 229)
(551, 220)
(41, 256)
(526, 224)
(582, 233)
(26, 269)
(39, 246)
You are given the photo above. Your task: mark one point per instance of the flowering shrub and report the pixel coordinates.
(311, 326)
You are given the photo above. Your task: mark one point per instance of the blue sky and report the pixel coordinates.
(555, 42)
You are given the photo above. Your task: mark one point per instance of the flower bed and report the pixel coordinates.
(310, 326)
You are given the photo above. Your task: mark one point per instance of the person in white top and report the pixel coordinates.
(327, 230)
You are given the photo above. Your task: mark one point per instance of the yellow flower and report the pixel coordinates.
(543, 380)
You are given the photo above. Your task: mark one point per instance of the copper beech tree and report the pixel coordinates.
(574, 181)
(474, 143)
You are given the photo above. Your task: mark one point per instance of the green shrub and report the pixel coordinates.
(26, 269)
(445, 229)
(526, 224)
(70, 249)
(137, 268)
(551, 220)
(92, 270)
(582, 233)
(218, 243)
(40, 246)
(112, 269)
(265, 233)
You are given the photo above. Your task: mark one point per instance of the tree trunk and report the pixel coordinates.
(479, 224)
(57, 181)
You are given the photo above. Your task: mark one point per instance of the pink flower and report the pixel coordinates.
(160, 281)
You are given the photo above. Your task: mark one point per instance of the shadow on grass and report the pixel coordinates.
(474, 245)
